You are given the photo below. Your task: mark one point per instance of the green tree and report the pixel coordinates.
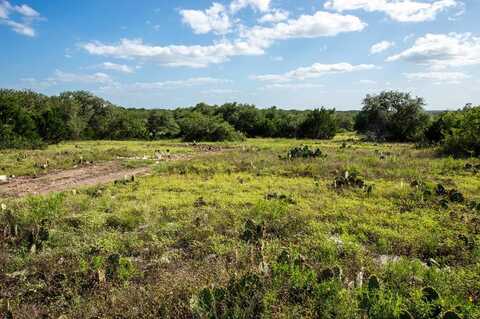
(161, 124)
(392, 116)
(461, 134)
(17, 125)
(319, 124)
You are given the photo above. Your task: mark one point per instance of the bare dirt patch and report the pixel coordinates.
(69, 179)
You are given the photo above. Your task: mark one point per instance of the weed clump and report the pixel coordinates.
(252, 232)
(304, 152)
(446, 196)
(347, 179)
(281, 197)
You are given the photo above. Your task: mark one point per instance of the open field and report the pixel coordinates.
(235, 230)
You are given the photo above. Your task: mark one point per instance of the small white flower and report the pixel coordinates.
(4, 206)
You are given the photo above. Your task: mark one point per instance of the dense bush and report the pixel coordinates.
(346, 120)
(461, 135)
(319, 124)
(198, 127)
(161, 124)
(18, 128)
(392, 116)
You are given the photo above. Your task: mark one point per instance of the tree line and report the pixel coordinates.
(31, 120)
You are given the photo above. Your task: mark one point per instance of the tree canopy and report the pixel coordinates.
(392, 116)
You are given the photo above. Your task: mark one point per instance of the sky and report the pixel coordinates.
(297, 54)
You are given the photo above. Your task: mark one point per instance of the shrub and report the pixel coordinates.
(461, 137)
(198, 127)
(161, 125)
(319, 124)
(392, 116)
(304, 152)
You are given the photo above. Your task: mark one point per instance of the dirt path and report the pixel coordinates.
(68, 179)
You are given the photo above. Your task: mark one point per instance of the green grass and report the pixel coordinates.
(169, 245)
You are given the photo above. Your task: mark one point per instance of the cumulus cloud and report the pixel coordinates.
(398, 10)
(253, 41)
(442, 50)
(314, 71)
(320, 24)
(195, 56)
(19, 18)
(260, 5)
(277, 15)
(381, 46)
(213, 19)
(438, 77)
(117, 67)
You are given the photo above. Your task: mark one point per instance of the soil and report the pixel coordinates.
(68, 179)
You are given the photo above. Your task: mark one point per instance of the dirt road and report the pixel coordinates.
(68, 179)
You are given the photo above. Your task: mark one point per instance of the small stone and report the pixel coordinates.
(3, 179)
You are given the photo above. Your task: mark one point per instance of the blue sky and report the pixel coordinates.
(293, 54)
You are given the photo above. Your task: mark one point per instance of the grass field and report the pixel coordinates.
(245, 233)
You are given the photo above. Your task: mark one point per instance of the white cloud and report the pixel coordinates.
(60, 77)
(367, 82)
(381, 46)
(213, 19)
(398, 10)
(320, 24)
(25, 16)
(219, 91)
(253, 41)
(438, 77)
(277, 15)
(5, 9)
(20, 28)
(195, 56)
(260, 5)
(26, 11)
(442, 50)
(166, 85)
(117, 67)
(292, 86)
(65, 77)
(314, 71)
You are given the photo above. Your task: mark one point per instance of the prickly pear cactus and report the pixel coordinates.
(373, 283)
(430, 294)
(405, 315)
(451, 315)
